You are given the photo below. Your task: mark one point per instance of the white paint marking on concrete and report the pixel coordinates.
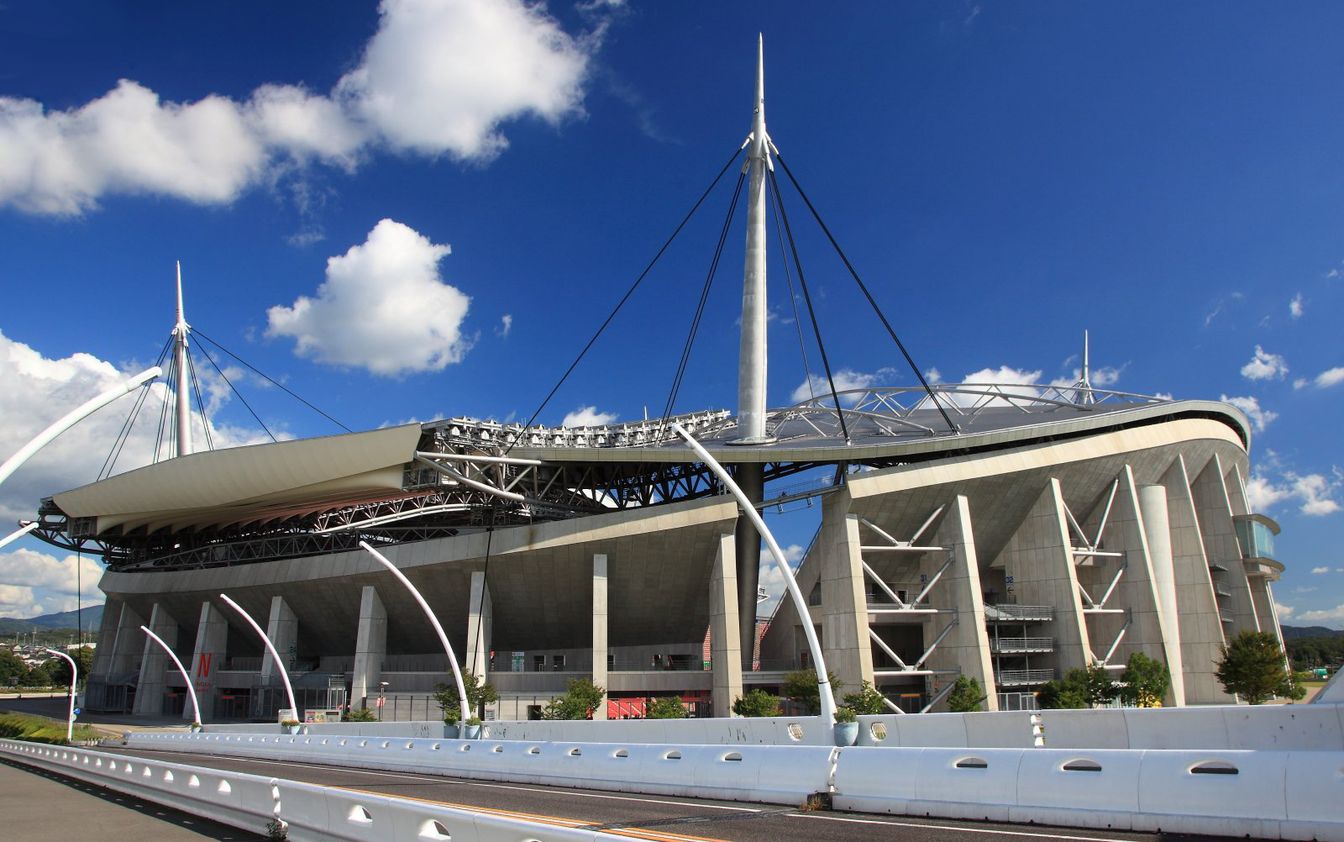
(959, 829)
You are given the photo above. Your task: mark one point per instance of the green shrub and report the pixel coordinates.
(757, 703)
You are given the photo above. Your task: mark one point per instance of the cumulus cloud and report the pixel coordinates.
(845, 380)
(772, 580)
(383, 307)
(1314, 495)
(1327, 615)
(505, 325)
(1319, 570)
(440, 77)
(1264, 366)
(37, 583)
(1284, 611)
(1295, 306)
(588, 416)
(39, 390)
(1260, 417)
(1330, 377)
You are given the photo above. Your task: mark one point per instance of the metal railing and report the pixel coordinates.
(1017, 678)
(1007, 645)
(1019, 612)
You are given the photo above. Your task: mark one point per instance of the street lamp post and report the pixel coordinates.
(433, 621)
(191, 691)
(74, 677)
(270, 647)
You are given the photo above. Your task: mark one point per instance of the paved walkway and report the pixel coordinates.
(38, 806)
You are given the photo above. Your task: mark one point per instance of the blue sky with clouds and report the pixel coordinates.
(424, 209)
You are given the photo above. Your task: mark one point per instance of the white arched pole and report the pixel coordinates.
(74, 676)
(191, 691)
(18, 533)
(270, 647)
(813, 645)
(73, 417)
(433, 621)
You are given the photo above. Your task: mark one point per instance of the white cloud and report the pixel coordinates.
(1264, 366)
(38, 390)
(1313, 493)
(587, 416)
(438, 77)
(933, 375)
(1330, 377)
(1260, 417)
(1319, 570)
(33, 583)
(1295, 306)
(1262, 494)
(1316, 493)
(382, 307)
(505, 325)
(845, 380)
(772, 580)
(1284, 611)
(1328, 615)
(1300, 383)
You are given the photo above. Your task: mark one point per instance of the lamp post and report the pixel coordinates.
(800, 604)
(270, 647)
(74, 676)
(433, 621)
(191, 691)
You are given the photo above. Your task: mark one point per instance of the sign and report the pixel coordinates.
(286, 713)
(380, 701)
(78, 711)
(316, 717)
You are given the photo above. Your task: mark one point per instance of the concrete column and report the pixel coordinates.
(1157, 527)
(751, 479)
(966, 646)
(212, 641)
(844, 607)
(107, 637)
(370, 647)
(1042, 572)
(1213, 506)
(600, 629)
(283, 631)
(479, 621)
(1201, 627)
(154, 663)
(124, 646)
(724, 639)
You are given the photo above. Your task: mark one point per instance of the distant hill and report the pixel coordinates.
(1295, 632)
(92, 618)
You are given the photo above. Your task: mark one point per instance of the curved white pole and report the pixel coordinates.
(434, 621)
(270, 647)
(195, 706)
(73, 417)
(74, 676)
(800, 604)
(18, 533)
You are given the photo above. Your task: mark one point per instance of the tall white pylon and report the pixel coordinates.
(751, 367)
(1084, 385)
(180, 331)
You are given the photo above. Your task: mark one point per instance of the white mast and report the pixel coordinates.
(1084, 384)
(751, 361)
(180, 331)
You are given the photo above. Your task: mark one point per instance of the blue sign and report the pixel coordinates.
(78, 711)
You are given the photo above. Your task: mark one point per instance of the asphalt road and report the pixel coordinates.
(659, 816)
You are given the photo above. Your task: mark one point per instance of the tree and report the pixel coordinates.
(479, 694)
(12, 669)
(1145, 681)
(966, 695)
(59, 668)
(1067, 692)
(1252, 666)
(1100, 688)
(868, 700)
(579, 701)
(668, 707)
(757, 703)
(802, 688)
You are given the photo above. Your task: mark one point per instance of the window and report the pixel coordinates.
(557, 662)
(538, 663)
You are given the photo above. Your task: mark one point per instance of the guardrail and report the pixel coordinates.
(302, 811)
(1270, 794)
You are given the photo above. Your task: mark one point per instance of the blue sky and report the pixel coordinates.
(1003, 175)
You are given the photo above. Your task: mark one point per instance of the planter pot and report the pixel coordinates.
(196, 729)
(450, 732)
(471, 732)
(290, 729)
(846, 733)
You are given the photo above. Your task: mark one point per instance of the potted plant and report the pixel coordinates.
(290, 726)
(197, 727)
(472, 731)
(451, 718)
(846, 726)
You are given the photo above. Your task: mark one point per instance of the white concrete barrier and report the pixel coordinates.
(1078, 788)
(1313, 795)
(1230, 793)
(308, 811)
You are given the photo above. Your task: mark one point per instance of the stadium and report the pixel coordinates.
(1005, 533)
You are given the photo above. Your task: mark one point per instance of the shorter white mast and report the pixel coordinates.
(180, 331)
(1083, 388)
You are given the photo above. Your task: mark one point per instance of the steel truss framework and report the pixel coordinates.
(464, 476)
